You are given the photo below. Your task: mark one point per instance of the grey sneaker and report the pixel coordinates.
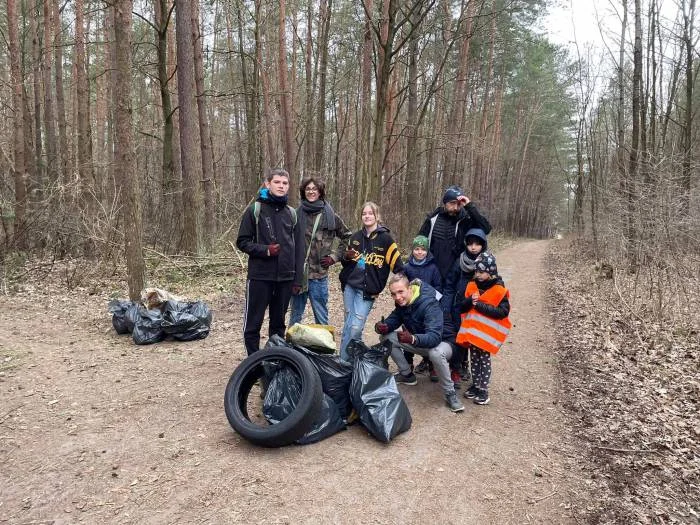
(453, 402)
(482, 397)
(410, 379)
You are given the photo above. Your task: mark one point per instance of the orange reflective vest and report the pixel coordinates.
(486, 333)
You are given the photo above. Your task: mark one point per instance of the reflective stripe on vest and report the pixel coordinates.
(479, 330)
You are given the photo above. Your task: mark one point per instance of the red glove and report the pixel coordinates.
(296, 289)
(351, 254)
(381, 328)
(327, 261)
(406, 337)
(273, 250)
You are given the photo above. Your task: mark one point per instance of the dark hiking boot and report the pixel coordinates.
(410, 379)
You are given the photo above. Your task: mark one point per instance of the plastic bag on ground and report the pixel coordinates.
(186, 321)
(282, 395)
(375, 395)
(122, 319)
(335, 374)
(147, 328)
(316, 337)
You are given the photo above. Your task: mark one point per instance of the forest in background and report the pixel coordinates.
(149, 125)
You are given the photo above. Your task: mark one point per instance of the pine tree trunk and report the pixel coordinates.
(204, 131)
(287, 120)
(49, 118)
(18, 172)
(189, 129)
(123, 150)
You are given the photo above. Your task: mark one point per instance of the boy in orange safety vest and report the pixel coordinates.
(485, 324)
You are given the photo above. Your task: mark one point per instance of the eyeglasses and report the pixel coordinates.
(310, 190)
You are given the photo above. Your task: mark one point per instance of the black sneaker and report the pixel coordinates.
(482, 397)
(471, 392)
(452, 402)
(410, 379)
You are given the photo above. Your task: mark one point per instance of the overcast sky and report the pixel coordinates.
(576, 18)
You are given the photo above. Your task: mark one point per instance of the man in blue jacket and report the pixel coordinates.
(420, 316)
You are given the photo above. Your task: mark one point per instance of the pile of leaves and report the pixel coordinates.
(631, 386)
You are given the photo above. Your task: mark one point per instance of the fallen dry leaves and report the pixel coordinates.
(631, 386)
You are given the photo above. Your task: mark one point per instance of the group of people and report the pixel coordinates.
(451, 306)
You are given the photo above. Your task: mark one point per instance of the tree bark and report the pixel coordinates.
(204, 131)
(287, 119)
(67, 165)
(320, 125)
(123, 150)
(49, 118)
(189, 129)
(18, 172)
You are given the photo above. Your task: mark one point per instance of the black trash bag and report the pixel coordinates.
(281, 398)
(186, 321)
(376, 396)
(335, 374)
(378, 354)
(329, 422)
(282, 394)
(122, 320)
(147, 328)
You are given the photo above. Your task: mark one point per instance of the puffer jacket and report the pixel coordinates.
(427, 272)
(446, 233)
(422, 316)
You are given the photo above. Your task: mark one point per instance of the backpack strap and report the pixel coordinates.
(256, 215)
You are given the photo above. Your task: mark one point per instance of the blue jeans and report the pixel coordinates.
(318, 294)
(356, 311)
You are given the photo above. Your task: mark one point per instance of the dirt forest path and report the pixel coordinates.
(95, 429)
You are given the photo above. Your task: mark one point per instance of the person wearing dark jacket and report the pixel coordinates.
(321, 227)
(485, 307)
(421, 265)
(420, 317)
(371, 255)
(446, 227)
(460, 274)
(274, 242)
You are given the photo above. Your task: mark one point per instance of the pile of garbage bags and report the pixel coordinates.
(181, 320)
(364, 389)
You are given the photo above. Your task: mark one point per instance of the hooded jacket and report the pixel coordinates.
(446, 233)
(457, 279)
(427, 272)
(275, 225)
(422, 316)
(380, 256)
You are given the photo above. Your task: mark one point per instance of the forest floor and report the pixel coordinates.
(96, 429)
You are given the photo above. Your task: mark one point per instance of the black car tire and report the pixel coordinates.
(293, 426)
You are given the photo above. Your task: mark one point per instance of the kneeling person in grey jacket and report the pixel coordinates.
(419, 314)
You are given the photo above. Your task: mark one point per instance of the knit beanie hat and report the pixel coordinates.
(486, 262)
(452, 194)
(422, 241)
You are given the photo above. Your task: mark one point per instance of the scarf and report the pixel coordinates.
(264, 195)
(416, 262)
(466, 263)
(312, 208)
